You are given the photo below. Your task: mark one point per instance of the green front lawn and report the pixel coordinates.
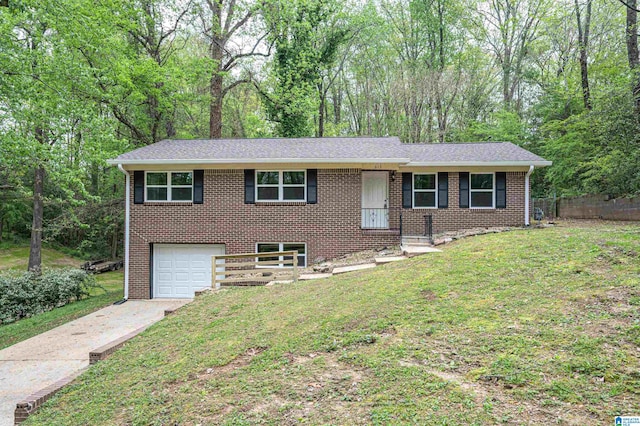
(16, 258)
(537, 326)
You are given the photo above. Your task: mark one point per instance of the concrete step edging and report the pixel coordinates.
(33, 402)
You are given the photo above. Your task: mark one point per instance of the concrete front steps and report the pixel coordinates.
(345, 269)
(411, 246)
(410, 250)
(417, 245)
(415, 239)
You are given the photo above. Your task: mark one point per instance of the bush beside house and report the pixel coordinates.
(26, 294)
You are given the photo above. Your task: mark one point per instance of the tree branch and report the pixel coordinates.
(629, 6)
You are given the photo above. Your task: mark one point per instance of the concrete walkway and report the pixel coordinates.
(42, 360)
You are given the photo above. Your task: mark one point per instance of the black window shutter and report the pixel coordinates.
(501, 190)
(249, 186)
(464, 190)
(198, 186)
(443, 190)
(138, 187)
(407, 186)
(312, 186)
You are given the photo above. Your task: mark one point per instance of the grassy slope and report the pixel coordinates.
(528, 326)
(17, 258)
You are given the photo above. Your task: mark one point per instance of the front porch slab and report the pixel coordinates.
(389, 259)
(344, 269)
(416, 250)
(305, 277)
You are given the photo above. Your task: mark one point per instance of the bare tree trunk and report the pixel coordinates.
(215, 107)
(337, 105)
(442, 120)
(632, 51)
(321, 109)
(35, 250)
(430, 125)
(583, 36)
(506, 81)
(217, 53)
(114, 243)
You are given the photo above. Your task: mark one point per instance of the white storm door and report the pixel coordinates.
(179, 270)
(375, 200)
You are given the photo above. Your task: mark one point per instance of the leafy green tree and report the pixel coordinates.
(294, 29)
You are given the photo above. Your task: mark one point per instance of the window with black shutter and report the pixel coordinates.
(407, 183)
(443, 190)
(464, 190)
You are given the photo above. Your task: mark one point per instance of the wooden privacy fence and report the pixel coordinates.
(247, 269)
(599, 206)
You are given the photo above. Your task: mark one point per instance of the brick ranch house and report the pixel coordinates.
(187, 200)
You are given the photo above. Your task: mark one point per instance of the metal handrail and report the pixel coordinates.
(375, 218)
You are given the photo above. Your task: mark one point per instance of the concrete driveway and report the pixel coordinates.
(40, 361)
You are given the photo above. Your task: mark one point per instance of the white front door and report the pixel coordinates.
(179, 270)
(375, 200)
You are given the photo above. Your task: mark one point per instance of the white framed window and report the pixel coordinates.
(273, 247)
(482, 190)
(281, 185)
(425, 190)
(168, 186)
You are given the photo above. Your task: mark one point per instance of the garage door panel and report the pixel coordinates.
(165, 277)
(165, 291)
(199, 276)
(182, 277)
(182, 264)
(182, 269)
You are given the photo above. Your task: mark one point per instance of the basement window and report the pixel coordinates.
(273, 247)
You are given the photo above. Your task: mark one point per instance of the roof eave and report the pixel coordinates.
(123, 162)
(405, 162)
(537, 163)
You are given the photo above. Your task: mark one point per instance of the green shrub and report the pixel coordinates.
(27, 294)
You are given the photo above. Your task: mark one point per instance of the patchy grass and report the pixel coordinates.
(533, 326)
(17, 258)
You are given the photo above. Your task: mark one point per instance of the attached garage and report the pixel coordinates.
(179, 270)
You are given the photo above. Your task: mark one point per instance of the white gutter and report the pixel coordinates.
(527, 215)
(477, 163)
(405, 162)
(126, 230)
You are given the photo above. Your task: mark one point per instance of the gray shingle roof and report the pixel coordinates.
(329, 150)
(480, 152)
(271, 149)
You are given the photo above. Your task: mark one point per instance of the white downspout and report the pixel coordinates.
(126, 230)
(527, 216)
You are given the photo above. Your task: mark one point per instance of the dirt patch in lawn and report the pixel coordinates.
(489, 391)
(324, 389)
(238, 362)
(330, 386)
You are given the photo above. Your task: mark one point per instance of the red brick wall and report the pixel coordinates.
(454, 218)
(330, 228)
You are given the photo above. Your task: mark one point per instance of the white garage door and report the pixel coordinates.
(179, 270)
